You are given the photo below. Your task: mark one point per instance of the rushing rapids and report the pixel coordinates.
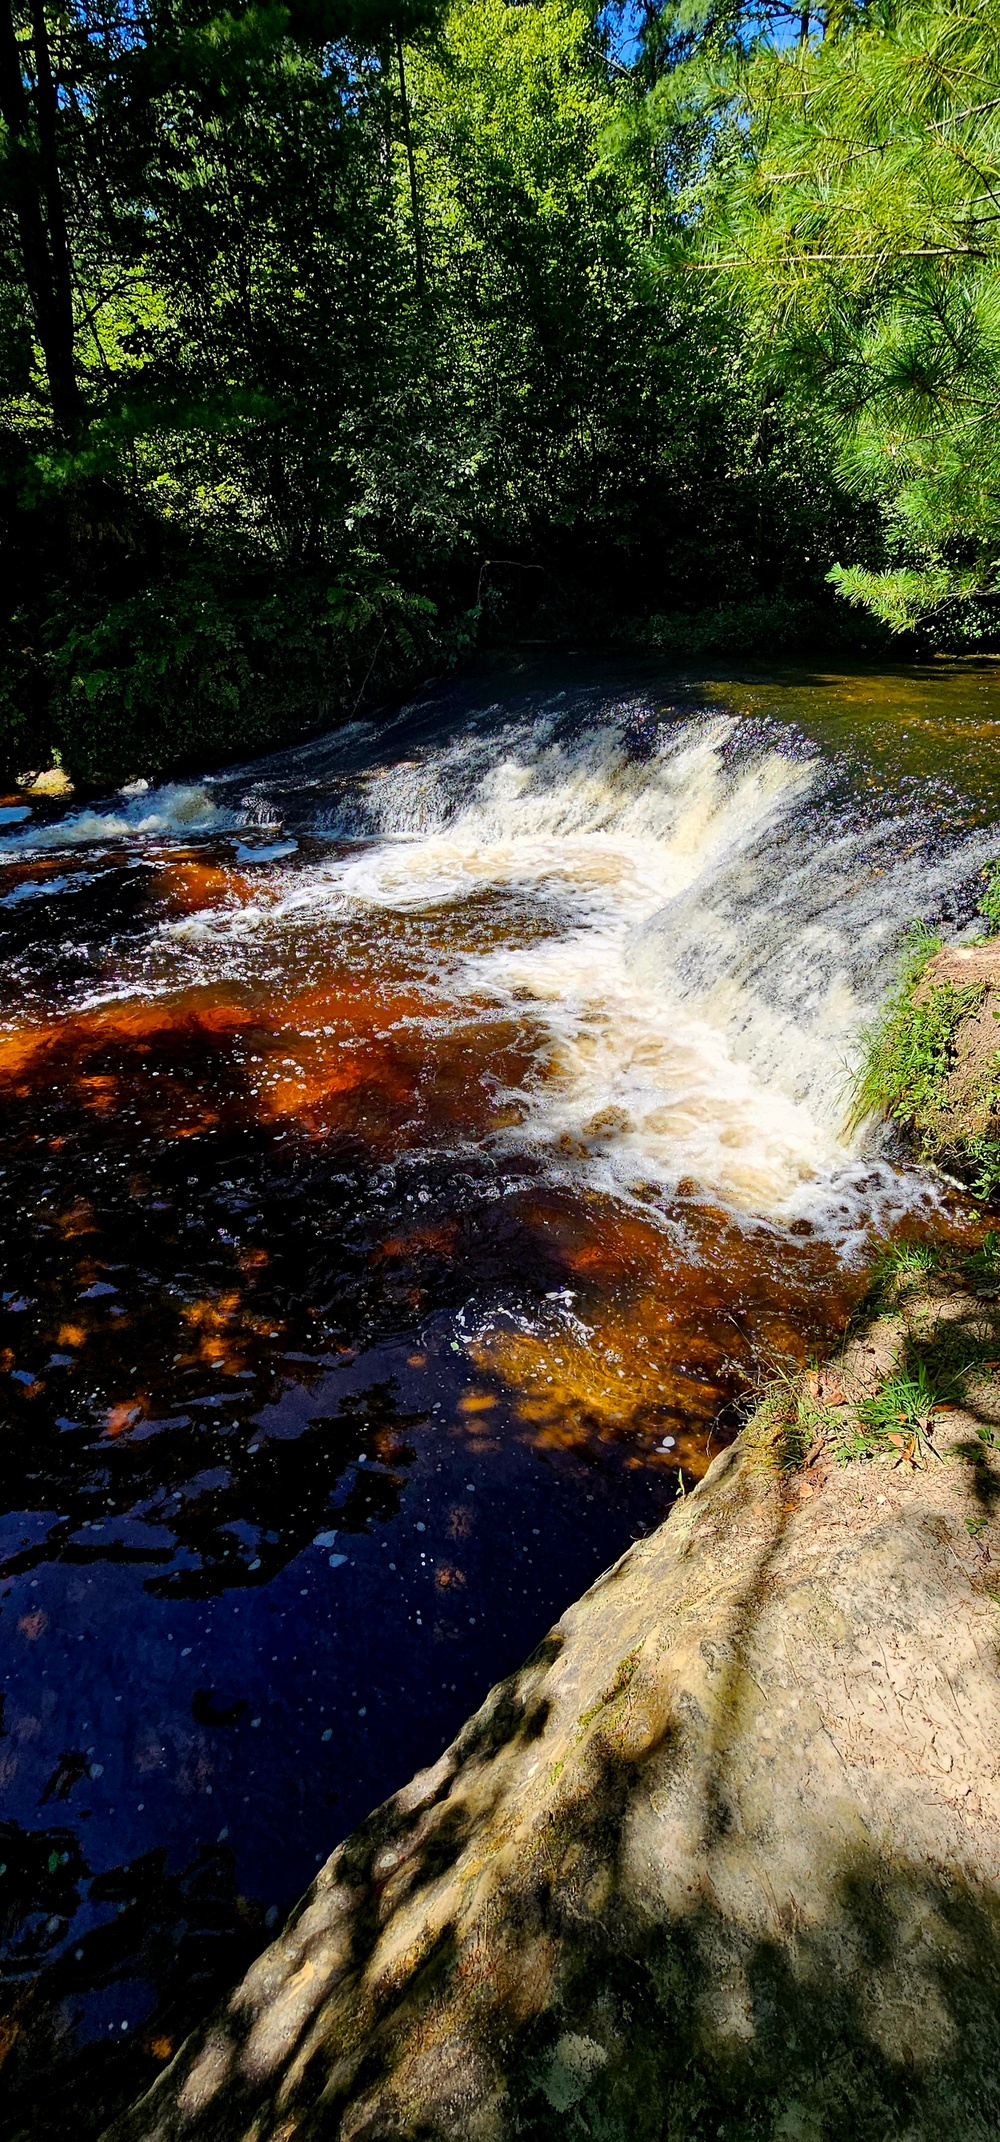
(413, 1145)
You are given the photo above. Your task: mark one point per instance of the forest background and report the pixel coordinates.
(341, 337)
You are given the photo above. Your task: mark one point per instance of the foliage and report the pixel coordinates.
(356, 295)
(191, 667)
(989, 905)
(982, 1266)
(903, 1073)
(776, 625)
(978, 1155)
(449, 305)
(905, 1053)
(849, 200)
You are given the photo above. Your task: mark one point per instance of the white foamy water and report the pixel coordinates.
(712, 926)
(140, 814)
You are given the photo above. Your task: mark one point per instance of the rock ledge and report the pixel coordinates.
(721, 1860)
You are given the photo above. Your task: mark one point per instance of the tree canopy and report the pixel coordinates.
(851, 205)
(338, 334)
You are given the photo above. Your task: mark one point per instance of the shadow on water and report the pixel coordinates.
(581, 2005)
(317, 1400)
(231, 1360)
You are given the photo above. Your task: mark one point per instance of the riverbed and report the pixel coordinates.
(415, 1145)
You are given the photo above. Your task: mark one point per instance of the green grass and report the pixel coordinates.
(906, 1052)
(912, 1260)
(934, 1372)
(940, 1357)
(899, 1416)
(989, 905)
(955, 1351)
(897, 1267)
(906, 1060)
(783, 1425)
(982, 1266)
(850, 1441)
(896, 1270)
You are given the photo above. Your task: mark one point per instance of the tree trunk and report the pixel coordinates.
(38, 210)
(46, 107)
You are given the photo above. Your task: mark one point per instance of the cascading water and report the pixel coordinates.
(712, 918)
(414, 1142)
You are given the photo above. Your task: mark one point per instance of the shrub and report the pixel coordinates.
(989, 905)
(194, 668)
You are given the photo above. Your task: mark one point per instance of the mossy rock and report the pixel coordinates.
(931, 1063)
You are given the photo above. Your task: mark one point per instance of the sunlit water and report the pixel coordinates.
(414, 1145)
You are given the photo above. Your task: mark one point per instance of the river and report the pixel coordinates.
(414, 1145)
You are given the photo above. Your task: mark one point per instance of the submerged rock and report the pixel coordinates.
(721, 1860)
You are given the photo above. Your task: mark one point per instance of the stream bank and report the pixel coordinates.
(723, 1858)
(931, 1062)
(413, 1143)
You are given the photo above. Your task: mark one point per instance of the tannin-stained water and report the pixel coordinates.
(413, 1145)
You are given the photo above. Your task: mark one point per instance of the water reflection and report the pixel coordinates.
(933, 724)
(259, 1556)
(323, 1383)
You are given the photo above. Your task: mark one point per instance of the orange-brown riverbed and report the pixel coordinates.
(413, 1146)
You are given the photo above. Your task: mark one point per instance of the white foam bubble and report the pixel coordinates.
(142, 813)
(41, 888)
(715, 951)
(709, 932)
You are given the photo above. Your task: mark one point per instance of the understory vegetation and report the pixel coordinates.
(910, 1071)
(941, 1363)
(339, 337)
(944, 1363)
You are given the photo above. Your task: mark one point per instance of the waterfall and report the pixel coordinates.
(693, 914)
(700, 915)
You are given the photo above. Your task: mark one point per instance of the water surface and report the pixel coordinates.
(414, 1144)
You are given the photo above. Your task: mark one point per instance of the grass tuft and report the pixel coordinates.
(989, 905)
(982, 1266)
(783, 1425)
(907, 1057)
(900, 1416)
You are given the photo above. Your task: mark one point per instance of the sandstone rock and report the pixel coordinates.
(52, 782)
(968, 1104)
(722, 1860)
